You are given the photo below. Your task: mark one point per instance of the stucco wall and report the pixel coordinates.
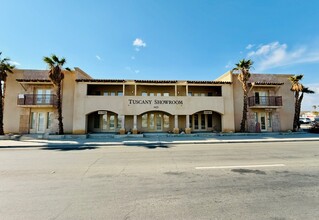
(137, 105)
(284, 113)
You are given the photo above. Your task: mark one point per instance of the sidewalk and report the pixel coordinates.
(160, 140)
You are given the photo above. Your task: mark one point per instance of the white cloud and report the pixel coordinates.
(228, 65)
(15, 63)
(139, 43)
(276, 55)
(249, 46)
(98, 57)
(130, 69)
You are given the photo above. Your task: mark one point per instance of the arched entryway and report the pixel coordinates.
(205, 121)
(155, 121)
(103, 121)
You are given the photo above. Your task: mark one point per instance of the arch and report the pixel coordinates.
(202, 110)
(165, 112)
(206, 120)
(107, 110)
(103, 121)
(155, 121)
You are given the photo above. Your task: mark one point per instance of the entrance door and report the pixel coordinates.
(263, 126)
(200, 122)
(41, 122)
(261, 118)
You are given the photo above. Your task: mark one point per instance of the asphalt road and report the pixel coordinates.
(220, 181)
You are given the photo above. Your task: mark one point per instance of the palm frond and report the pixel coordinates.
(55, 58)
(48, 61)
(307, 90)
(62, 61)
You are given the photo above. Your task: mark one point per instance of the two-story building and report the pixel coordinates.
(119, 106)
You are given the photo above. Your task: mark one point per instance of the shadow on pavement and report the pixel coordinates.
(69, 148)
(149, 146)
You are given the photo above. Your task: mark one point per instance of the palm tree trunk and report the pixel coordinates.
(244, 117)
(59, 105)
(297, 113)
(1, 109)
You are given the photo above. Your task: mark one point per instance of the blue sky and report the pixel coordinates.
(165, 39)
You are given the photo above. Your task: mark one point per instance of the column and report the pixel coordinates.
(176, 129)
(135, 124)
(188, 130)
(122, 130)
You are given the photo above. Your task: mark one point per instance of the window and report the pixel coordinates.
(151, 93)
(196, 121)
(158, 94)
(152, 121)
(144, 93)
(166, 121)
(119, 93)
(190, 94)
(49, 119)
(165, 94)
(159, 122)
(104, 122)
(190, 121)
(119, 121)
(105, 93)
(112, 122)
(269, 119)
(43, 96)
(112, 93)
(202, 121)
(144, 121)
(33, 118)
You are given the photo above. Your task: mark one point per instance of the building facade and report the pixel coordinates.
(138, 106)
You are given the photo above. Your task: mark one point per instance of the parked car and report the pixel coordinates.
(304, 120)
(314, 126)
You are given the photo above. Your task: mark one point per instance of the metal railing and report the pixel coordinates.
(35, 99)
(265, 101)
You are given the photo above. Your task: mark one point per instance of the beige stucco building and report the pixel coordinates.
(120, 106)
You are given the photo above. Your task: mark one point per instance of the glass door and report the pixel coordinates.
(159, 122)
(41, 122)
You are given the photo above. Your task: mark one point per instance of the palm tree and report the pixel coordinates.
(299, 91)
(314, 107)
(56, 75)
(244, 74)
(5, 67)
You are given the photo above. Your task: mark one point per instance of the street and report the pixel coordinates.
(194, 181)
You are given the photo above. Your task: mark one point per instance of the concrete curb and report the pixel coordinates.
(31, 144)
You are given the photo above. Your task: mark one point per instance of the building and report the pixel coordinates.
(120, 106)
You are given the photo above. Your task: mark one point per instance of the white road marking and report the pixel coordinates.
(241, 166)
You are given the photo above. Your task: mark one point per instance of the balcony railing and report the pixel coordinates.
(35, 99)
(264, 101)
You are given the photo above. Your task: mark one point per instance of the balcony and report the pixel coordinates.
(37, 100)
(264, 101)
